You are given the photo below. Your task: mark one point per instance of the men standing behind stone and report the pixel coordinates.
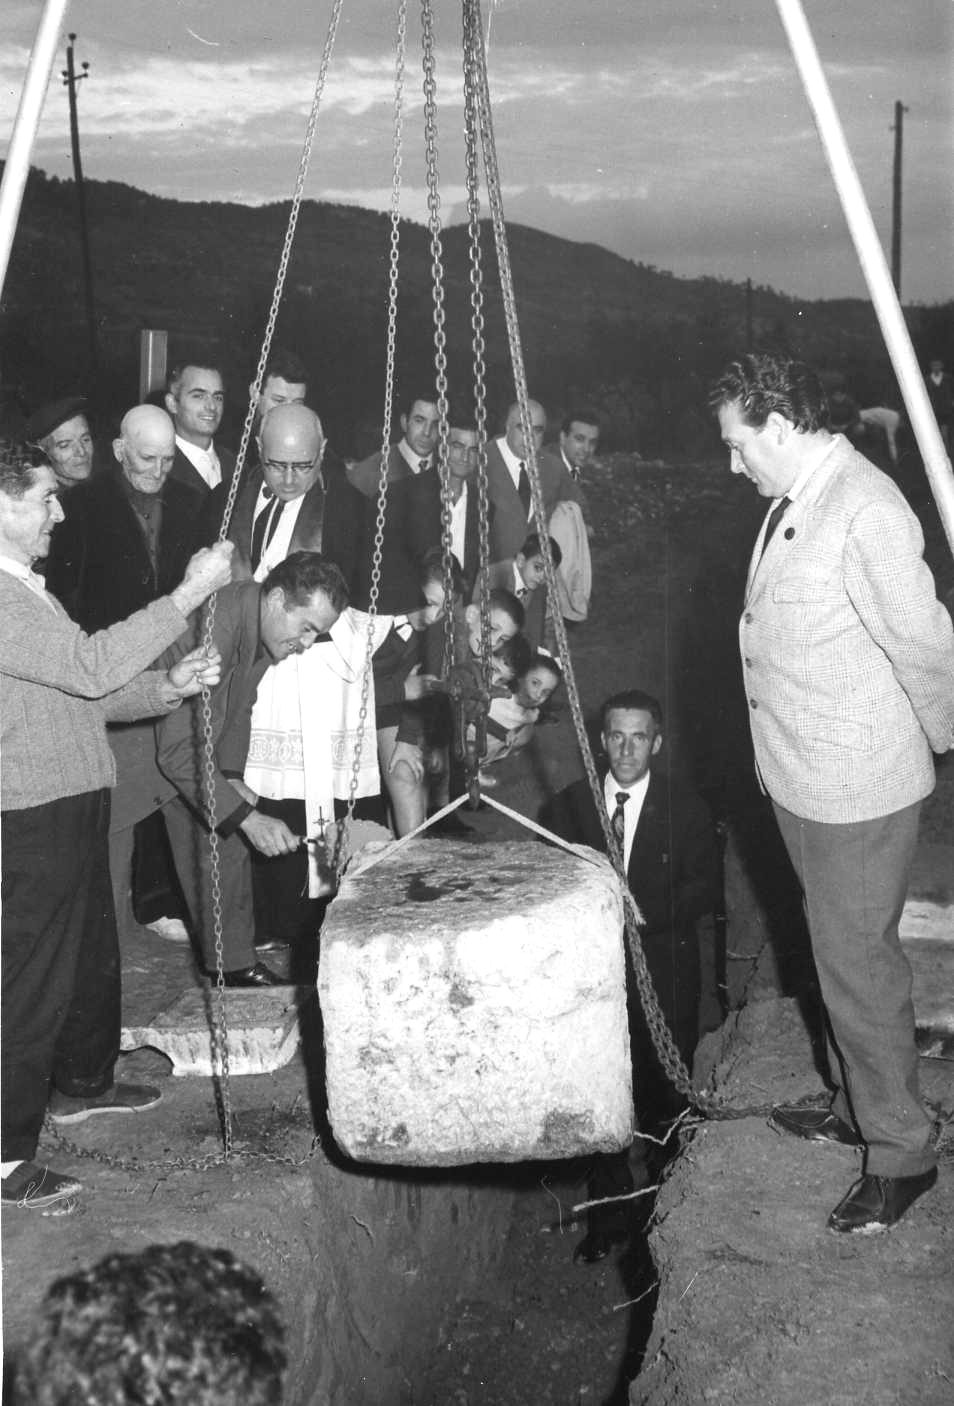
(60, 967)
(195, 398)
(255, 626)
(464, 495)
(508, 483)
(668, 845)
(296, 499)
(848, 661)
(412, 523)
(125, 542)
(61, 431)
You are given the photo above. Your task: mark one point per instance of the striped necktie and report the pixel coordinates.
(618, 819)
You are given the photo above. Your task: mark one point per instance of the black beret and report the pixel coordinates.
(49, 417)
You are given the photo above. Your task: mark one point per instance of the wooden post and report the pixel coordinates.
(153, 358)
(24, 128)
(873, 265)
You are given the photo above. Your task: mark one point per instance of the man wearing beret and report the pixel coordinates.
(61, 430)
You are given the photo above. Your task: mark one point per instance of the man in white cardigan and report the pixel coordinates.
(848, 664)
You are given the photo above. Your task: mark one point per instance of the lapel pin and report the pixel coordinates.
(789, 533)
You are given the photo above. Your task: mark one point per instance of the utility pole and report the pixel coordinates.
(70, 79)
(899, 111)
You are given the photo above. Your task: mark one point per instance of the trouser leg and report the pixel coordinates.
(854, 878)
(192, 854)
(120, 869)
(55, 891)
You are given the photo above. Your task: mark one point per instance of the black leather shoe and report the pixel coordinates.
(875, 1203)
(597, 1244)
(259, 975)
(815, 1124)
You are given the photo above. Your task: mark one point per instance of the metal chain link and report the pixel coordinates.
(440, 335)
(219, 1023)
(663, 1043)
(341, 850)
(471, 125)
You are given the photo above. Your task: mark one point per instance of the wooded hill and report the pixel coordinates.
(636, 342)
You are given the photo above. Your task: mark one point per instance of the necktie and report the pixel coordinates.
(523, 488)
(424, 464)
(263, 528)
(618, 819)
(775, 517)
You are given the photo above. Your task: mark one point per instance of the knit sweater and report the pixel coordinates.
(59, 687)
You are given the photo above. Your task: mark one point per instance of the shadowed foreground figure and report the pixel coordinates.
(171, 1324)
(848, 662)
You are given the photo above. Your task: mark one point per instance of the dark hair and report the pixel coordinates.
(763, 382)
(506, 601)
(462, 413)
(432, 569)
(632, 698)
(515, 653)
(17, 469)
(541, 660)
(533, 548)
(285, 366)
(176, 373)
(410, 398)
(301, 574)
(170, 1324)
(580, 415)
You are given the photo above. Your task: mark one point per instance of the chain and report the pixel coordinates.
(440, 337)
(341, 839)
(177, 1164)
(663, 1043)
(472, 39)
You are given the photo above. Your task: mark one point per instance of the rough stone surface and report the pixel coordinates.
(262, 1025)
(474, 1006)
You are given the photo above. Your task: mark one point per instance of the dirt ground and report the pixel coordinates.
(741, 1215)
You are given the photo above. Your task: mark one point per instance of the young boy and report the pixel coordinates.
(525, 577)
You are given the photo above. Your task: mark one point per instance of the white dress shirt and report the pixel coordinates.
(204, 461)
(278, 548)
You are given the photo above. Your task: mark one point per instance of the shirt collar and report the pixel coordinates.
(197, 457)
(413, 461)
(611, 786)
(814, 463)
(508, 456)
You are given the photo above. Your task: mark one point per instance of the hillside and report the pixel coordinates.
(635, 340)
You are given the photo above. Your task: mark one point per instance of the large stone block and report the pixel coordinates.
(474, 1006)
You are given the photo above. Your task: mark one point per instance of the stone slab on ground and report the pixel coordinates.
(754, 1287)
(473, 998)
(261, 1024)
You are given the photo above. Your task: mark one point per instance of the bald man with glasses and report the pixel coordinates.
(296, 499)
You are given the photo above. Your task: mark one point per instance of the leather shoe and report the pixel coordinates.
(596, 1245)
(815, 1124)
(258, 975)
(875, 1203)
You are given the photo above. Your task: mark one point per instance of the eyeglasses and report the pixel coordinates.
(298, 469)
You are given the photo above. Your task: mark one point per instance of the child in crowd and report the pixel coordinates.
(525, 577)
(512, 718)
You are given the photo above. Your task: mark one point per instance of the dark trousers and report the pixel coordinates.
(61, 998)
(673, 962)
(854, 879)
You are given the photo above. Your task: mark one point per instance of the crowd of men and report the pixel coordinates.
(847, 656)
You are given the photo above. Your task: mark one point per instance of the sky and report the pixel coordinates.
(673, 132)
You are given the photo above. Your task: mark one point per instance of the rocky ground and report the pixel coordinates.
(758, 1303)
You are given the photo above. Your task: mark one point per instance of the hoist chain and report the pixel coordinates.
(440, 336)
(219, 1022)
(471, 125)
(662, 1039)
(341, 838)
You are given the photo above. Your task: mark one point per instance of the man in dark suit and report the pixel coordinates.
(127, 536)
(297, 499)
(412, 524)
(669, 851)
(255, 626)
(195, 398)
(508, 483)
